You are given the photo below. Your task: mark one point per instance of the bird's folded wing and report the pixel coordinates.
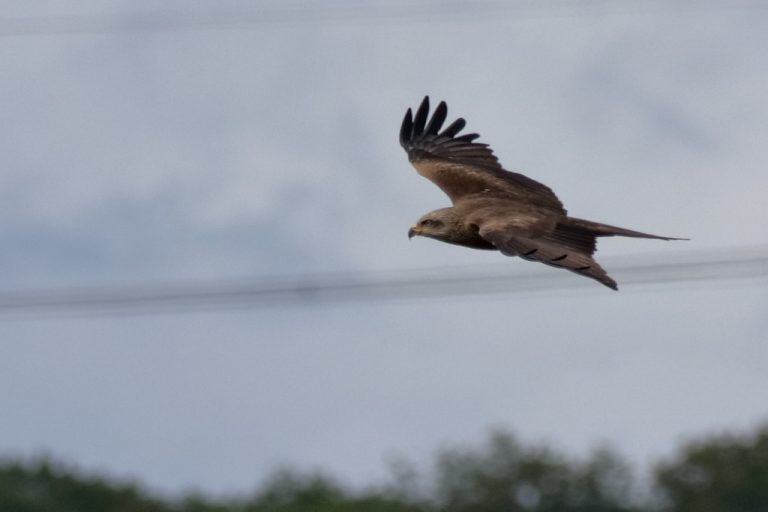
(548, 250)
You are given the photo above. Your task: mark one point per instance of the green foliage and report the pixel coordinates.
(506, 476)
(728, 474)
(43, 487)
(289, 492)
(723, 474)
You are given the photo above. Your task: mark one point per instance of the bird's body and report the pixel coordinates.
(494, 208)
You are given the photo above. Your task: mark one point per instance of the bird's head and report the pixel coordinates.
(438, 224)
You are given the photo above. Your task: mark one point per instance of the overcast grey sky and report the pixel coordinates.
(271, 148)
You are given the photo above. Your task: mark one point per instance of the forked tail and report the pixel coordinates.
(607, 230)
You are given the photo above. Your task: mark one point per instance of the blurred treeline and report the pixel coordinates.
(727, 473)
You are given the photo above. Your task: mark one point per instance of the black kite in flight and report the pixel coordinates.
(494, 208)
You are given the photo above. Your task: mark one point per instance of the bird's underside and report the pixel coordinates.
(494, 208)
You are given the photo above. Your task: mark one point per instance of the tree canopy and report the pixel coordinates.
(720, 473)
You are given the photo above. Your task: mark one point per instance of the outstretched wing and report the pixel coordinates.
(565, 247)
(460, 166)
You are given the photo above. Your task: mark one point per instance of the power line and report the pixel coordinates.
(274, 14)
(712, 267)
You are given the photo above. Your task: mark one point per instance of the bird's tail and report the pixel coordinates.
(606, 230)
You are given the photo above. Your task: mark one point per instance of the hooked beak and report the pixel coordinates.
(413, 232)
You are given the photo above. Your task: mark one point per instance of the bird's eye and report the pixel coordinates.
(427, 222)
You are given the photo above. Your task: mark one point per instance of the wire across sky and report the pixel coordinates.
(717, 266)
(196, 17)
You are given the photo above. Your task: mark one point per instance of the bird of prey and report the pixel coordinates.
(494, 208)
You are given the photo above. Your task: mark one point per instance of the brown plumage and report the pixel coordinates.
(494, 208)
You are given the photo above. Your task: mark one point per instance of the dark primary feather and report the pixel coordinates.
(455, 127)
(438, 118)
(422, 139)
(421, 118)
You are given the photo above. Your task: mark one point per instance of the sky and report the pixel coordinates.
(267, 146)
